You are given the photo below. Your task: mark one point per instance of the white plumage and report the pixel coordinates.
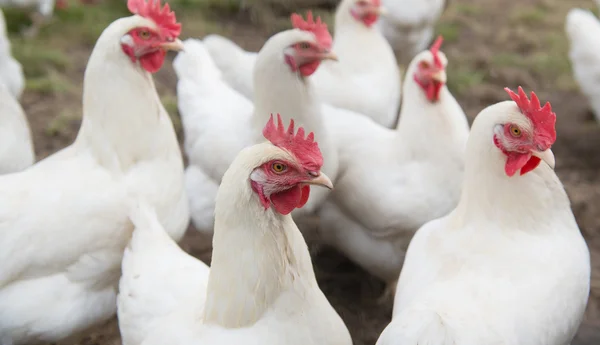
(507, 266)
(583, 30)
(63, 221)
(393, 181)
(16, 146)
(11, 72)
(409, 25)
(366, 79)
(219, 122)
(264, 294)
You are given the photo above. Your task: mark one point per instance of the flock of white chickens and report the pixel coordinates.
(280, 149)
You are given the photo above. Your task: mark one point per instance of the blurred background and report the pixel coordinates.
(490, 44)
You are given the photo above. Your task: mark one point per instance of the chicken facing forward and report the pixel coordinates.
(365, 80)
(219, 122)
(64, 221)
(583, 30)
(394, 181)
(509, 264)
(264, 294)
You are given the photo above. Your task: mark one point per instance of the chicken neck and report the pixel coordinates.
(123, 119)
(258, 254)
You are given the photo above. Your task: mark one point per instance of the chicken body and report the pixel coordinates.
(219, 122)
(507, 266)
(265, 294)
(11, 72)
(16, 146)
(63, 221)
(394, 181)
(366, 79)
(409, 25)
(583, 28)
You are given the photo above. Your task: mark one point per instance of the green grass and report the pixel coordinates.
(462, 78)
(59, 124)
(449, 30)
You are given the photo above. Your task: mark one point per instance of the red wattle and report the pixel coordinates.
(516, 161)
(531, 164)
(285, 202)
(305, 195)
(309, 68)
(152, 62)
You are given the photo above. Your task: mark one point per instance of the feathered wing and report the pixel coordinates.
(64, 197)
(202, 193)
(236, 64)
(159, 279)
(216, 119)
(16, 146)
(583, 30)
(216, 123)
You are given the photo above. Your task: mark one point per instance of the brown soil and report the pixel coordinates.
(481, 30)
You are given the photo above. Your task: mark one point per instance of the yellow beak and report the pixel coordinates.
(175, 45)
(547, 156)
(321, 180)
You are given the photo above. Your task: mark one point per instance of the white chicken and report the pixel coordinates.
(394, 181)
(409, 25)
(264, 294)
(509, 264)
(64, 221)
(44, 9)
(583, 30)
(11, 72)
(16, 146)
(366, 79)
(218, 122)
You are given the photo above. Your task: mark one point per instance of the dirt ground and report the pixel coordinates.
(490, 44)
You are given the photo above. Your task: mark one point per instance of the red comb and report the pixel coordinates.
(164, 18)
(318, 28)
(543, 118)
(435, 48)
(306, 150)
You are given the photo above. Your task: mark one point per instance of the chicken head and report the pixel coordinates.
(149, 44)
(284, 179)
(430, 73)
(525, 137)
(367, 11)
(305, 56)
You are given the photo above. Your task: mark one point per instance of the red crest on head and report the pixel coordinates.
(318, 28)
(435, 49)
(542, 118)
(163, 17)
(306, 150)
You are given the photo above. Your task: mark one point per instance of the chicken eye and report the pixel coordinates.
(278, 167)
(515, 131)
(304, 45)
(424, 64)
(144, 34)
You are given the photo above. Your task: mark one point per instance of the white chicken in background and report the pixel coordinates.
(44, 9)
(409, 25)
(509, 264)
(11, 72)
(583, 30)
(266, 293)
(16, 146)
(64, 221)
(365, 80)
(218, 122)
(394, 181)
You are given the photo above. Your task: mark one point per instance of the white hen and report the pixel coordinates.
(11, 72)
(409, 25)
(366, 79)
(509, 264)
(583, 30)
(394, 181)
(218, 122)
(64, 221)
(266, 293)
(16, 147)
